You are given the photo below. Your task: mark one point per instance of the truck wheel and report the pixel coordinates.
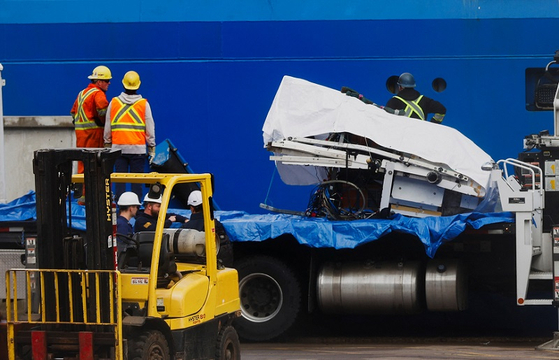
(228, 346)
(149, 345)
(270, 298)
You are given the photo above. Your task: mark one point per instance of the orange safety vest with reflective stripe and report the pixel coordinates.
(412, 107)
(84, 119)
(128, 122)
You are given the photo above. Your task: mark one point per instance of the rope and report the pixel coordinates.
(270, 186)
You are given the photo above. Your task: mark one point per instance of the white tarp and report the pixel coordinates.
(301, 109)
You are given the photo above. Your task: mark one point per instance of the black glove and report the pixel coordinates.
(350, 92)
(353, 93)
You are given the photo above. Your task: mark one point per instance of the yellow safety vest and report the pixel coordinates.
(413, 107)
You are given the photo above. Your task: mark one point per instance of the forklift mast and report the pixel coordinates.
(59, 246)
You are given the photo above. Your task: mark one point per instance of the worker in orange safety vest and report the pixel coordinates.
(89, 110)
(129, 126)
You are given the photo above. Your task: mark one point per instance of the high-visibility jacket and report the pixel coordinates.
(89, 112)
(128, 122)
(412, 106)
(89, 108)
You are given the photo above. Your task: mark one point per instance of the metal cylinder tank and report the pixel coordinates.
(371, 288)
(187, 242)
(446, 285)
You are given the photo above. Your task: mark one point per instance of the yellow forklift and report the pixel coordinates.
(84, 301)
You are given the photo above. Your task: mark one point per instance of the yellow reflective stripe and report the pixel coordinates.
(413, 106)
(135, 115)
(438, 118)
(121, 113)
(82, 117)
(86, 125)
(83, 96)
(130, 127)
(130, 110)
(127, 109)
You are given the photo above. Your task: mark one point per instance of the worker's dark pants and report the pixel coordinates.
(134, 163)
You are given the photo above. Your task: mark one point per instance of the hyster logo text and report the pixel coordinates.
(196, 319)
(108, 199)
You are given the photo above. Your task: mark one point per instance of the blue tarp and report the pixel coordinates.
(320, 232)
(314, 232)
(20, 209)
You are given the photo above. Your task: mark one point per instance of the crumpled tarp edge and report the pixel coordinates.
(313, 232)
(323, 233)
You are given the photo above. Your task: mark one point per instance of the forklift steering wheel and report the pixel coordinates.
(129, 240)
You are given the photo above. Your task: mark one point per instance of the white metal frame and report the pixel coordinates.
(322, 150)
(528, 205)
(333, 154)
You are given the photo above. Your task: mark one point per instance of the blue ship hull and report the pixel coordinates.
(210, 74)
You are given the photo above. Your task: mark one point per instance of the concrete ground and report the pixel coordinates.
(399, 348)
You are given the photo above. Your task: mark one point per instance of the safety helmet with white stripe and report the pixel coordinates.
(101, 73)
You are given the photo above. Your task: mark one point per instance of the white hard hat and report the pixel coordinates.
(151, 200)
(128, 198)
(195, 198)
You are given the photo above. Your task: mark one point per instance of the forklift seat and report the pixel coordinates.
(167, 264)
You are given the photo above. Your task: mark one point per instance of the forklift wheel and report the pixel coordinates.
(149, 345)
(228, 345)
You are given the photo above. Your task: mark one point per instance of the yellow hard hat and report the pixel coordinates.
(131, 80)
(101, 73)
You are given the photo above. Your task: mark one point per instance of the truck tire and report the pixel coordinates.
(149, 345)
(270, 297)
(228, 346)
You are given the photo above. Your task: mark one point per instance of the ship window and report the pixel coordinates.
(392, 84)
(439, 85)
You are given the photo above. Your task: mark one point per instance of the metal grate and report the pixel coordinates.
(75, 296)
(9, 259)
(65, 297)
(545, 94)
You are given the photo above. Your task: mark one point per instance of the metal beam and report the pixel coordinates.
(3, 199)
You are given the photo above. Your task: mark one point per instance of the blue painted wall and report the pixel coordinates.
(101, 11)
(210, 73)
